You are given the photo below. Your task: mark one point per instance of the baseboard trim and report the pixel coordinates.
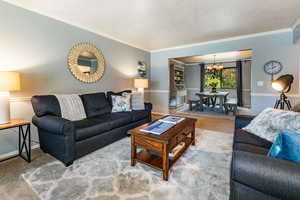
(15, 153)
(19, 99)
(159, 113)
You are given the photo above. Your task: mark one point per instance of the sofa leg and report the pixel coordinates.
(68, 164)
(43, 150)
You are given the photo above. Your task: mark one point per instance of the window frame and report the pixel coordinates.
(221, 79)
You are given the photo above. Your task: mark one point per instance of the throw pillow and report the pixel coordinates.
(120, 103)
(270, 122)
(110, 93)
(71, 107)
(137, 101)
(287, 147)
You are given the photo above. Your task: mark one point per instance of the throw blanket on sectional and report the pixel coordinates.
(71, 107)
(270, 122)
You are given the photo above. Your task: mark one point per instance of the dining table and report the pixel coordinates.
(210, 99)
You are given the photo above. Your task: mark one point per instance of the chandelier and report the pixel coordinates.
(215, 66)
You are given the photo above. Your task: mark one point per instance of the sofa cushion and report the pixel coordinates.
(87, 128)
(242, 136)
(250, 148)
(95, 104)
(120, 119)
(45, 105)
(116, 120)
(139, 115)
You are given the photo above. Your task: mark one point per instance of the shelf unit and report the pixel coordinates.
(155, 160)
(177, 85)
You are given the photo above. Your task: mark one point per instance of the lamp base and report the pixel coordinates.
(282, 102)
(141, 90)
(4, 108)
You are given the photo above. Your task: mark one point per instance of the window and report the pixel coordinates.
(225, 78)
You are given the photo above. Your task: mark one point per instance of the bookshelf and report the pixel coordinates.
(177, 85)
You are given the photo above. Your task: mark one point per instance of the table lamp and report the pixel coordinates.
(140, 84)
(9, 81)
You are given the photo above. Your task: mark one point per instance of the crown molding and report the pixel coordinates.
(225, 40)
(296, 24)
(105, 35)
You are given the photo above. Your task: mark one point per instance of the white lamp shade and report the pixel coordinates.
(141, 83)
(9, 81)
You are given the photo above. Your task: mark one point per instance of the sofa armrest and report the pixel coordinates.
(54, 124)
(275, 177)
(148, 107)
(242, 120)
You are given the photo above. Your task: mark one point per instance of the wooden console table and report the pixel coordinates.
(23, 136)
(163, 144)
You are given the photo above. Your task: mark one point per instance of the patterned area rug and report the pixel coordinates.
(202, 173)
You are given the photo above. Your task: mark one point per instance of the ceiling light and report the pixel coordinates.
(215, 66)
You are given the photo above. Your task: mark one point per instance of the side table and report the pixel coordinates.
(23, 136)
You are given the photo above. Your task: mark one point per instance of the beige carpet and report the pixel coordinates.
(201, 174)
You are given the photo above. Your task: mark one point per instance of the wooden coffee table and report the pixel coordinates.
(184, 131)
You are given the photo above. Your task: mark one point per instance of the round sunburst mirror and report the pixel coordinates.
(86, 62)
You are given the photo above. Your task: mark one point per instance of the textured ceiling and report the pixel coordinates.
(156, 24)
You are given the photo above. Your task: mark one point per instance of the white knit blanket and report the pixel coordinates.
(71, 107)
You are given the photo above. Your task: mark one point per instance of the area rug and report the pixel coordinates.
(214, 113)
(202, 173)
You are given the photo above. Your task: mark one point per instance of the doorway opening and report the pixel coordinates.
(198, 77)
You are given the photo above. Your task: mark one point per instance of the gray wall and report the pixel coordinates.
(192, 80)
(297, 34)
(38, 46)
(276, 46)
(246, 78)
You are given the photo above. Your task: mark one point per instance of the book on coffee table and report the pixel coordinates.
(172, 119)
(158, 127)
(162, 125)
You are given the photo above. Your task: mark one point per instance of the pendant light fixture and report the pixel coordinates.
(215, 66)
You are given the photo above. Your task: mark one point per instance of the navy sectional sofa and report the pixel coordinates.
(68, 140)
(254, 175)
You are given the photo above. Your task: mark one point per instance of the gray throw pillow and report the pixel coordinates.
(137, 101)
(270, 122)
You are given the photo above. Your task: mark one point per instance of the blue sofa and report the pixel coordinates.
(254, 175)
(68, 140)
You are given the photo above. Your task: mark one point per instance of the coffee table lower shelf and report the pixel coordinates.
(156, 161)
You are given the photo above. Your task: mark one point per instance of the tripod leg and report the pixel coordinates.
(288, 104)
(276, 104)
(282, 105)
